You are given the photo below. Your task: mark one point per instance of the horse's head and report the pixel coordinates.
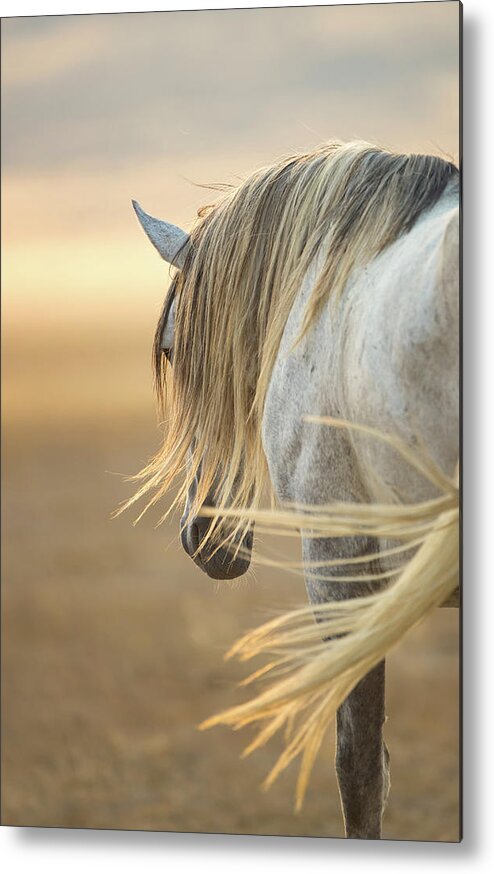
(224, 562)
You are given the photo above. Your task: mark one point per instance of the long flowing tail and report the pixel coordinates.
(313, 666)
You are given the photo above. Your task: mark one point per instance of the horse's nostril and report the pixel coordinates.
(195, 537)
(190, 537)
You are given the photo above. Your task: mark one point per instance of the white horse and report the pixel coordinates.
(326, 285)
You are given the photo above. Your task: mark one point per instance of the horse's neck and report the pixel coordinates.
(387, 356)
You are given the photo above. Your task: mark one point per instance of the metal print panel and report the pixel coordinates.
(296, 478)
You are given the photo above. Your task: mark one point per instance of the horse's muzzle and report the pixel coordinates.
(219, 564)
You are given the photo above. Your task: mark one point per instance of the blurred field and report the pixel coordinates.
(113, 641)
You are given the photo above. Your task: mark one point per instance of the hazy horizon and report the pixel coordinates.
(97, 110)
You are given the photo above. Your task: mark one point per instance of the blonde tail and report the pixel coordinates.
(311, 674)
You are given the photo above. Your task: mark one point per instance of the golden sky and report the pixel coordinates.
(99, 109)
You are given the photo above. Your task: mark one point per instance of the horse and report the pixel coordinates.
(324, 287)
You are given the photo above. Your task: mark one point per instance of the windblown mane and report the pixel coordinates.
(250, 252)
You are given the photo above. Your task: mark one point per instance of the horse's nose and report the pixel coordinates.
(220, 564)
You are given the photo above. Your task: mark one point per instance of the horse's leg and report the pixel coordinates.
(362, 759)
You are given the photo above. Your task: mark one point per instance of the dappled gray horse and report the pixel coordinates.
(324, 285)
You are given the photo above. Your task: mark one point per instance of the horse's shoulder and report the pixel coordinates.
(374, 358)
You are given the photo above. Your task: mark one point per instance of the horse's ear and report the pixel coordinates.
(171, 242)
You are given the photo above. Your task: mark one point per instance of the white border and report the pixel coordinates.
(65, 7)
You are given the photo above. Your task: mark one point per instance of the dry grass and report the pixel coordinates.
(113, 645)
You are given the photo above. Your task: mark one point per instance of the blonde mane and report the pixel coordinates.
(249, 255)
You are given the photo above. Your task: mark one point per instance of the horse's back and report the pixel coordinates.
(386, 356)
(399, 365)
